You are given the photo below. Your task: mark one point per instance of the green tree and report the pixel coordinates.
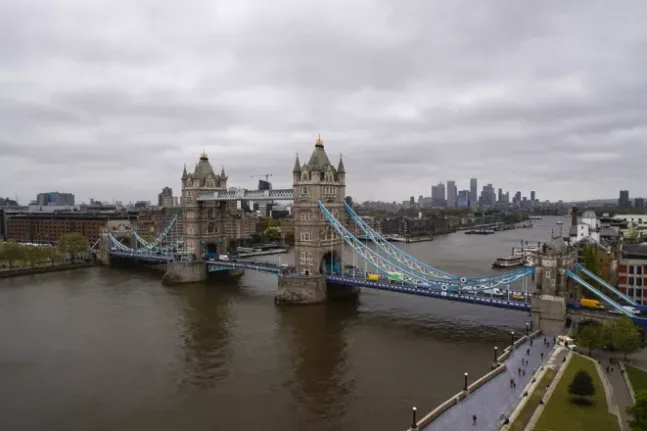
(271, 222)
(12, 252)
(72, 244)
(34, 255)
(638, 412)
(272, 234)
(591, 337)
(624, 335)
(53, 255)
(582, 385)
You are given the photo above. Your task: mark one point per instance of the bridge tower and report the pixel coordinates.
(317, 248)
(552, 287)
(204, 222)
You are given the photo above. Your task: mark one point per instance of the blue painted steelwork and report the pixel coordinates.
(276, 269)
(146, 256)
(639, 320)
(581, 268)
(248, 195)
(429, 272)
(384, 265)
(163, 234)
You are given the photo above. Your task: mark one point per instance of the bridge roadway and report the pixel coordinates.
(360, 281)
(496, 397)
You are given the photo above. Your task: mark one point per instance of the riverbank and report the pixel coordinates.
(18, 272)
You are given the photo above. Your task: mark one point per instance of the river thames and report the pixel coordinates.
(109, 349)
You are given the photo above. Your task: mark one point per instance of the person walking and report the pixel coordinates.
(473, 420)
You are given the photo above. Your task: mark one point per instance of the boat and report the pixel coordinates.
(560, 222)
(509, 262)
(479, 232)
(535, 217)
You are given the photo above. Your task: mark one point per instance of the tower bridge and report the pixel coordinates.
(190, 246)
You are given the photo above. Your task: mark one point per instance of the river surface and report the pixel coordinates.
(110, 349)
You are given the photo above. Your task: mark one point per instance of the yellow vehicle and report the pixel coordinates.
(591, 303)
(517, 296)
(373, 277)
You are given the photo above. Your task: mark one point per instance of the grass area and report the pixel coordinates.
(533, 402)
(561, 414)
(638, 378)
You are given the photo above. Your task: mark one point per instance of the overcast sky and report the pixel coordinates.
(108, 99)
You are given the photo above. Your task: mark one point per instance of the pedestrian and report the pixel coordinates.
(519, 371)
(530, 343)
(524, 372)
(473, 420)
(528, 352)
(512, 383)
(607, 369)
(542, 356)
(612, 369)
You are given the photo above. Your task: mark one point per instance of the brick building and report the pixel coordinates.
(48, 228)
(632, 270)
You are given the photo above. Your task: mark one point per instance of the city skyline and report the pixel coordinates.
(533, 96)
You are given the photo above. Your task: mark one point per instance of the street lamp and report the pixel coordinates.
(527, 329)
(414, 423)
(496, 353)
(465, 386)
(512, 339)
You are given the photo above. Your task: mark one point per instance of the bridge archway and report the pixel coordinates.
(330, 263)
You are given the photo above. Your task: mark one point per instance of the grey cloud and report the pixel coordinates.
(110, 99)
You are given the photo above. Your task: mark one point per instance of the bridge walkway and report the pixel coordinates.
(495, 397)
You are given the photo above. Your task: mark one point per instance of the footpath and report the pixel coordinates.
(17, 272)
(496, 397)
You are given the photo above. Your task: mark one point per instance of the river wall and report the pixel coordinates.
(43, 270)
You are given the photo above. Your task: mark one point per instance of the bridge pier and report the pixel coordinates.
(548, 314)
(301, 290)
(185, 272)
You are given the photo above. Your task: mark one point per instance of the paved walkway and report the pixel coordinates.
(621, 394)
(495, 397)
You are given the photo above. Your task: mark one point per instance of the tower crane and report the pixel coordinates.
(267, 176)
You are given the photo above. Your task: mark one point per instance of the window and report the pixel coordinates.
(631, 269)
(639, 281)
(304, 190)
(639, 293)
(630, 292)
(639, 269)
(630, 281)
(306, 236)
(305, 257)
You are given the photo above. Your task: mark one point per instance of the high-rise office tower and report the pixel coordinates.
(623, 201)
(473, 191)
(451, 194)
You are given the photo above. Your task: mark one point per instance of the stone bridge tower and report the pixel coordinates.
(318, 248)
(553, 288)
(204, 222)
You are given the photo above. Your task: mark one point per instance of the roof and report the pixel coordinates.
(635, 251)
(608, 231)
(589, 214)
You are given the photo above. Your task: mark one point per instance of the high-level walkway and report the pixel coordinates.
(495, 397)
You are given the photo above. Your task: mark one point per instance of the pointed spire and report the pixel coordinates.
(297, 166)
(319, 142)
(340, 167)
(184, 173)
(222, 172)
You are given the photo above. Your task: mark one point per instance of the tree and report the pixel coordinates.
(34, 255)
(638, 412)
(271, 222)
(272, 234)
(582, 385)
(624, 335)
(72, 244)
(11, 252)
(53, 254)
(349, 201)
(591, 337)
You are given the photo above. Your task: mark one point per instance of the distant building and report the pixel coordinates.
(451, 194)
(623, 200)
(588, 226)
(488, 198)
(438, 195)
(532, 196)
(500, 196)
(55, 198)
(165, 199)
(473, 191)
(639, 203)
(464, 199)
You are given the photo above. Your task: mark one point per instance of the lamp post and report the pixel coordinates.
(465, 385)
(414, 425)
(496, 355)
(527, 328)
(512, 339)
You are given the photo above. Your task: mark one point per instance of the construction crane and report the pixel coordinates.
(267, 176)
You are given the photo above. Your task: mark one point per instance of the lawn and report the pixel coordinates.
(638, 378)
(561, 414)
(533, 402)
